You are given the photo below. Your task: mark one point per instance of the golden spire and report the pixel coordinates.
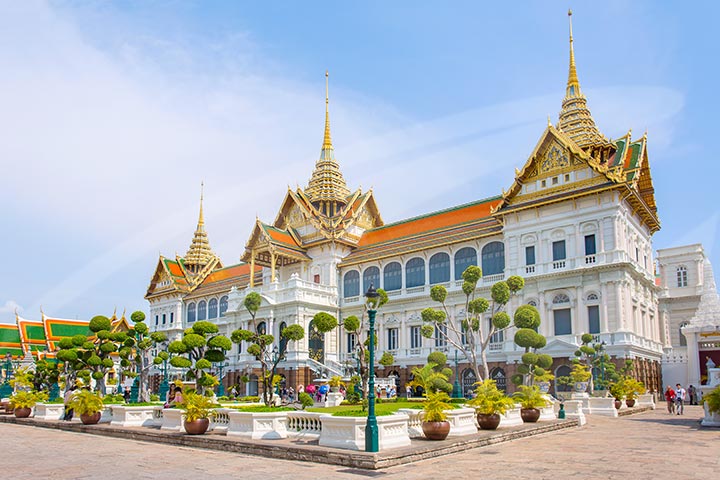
(327, 184)
(199, 254)
(575, 117)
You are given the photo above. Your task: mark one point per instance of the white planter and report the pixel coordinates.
(602, 406)
(462, 421)
(511, 418)
(548, 413)
(173, 420)
(49, 411)
(124, 416)
(333, 399)
(645, 400)
(414, 421)
(349, 432)
(574, 409)
(258, 425)
(710, 420)
(304, 424)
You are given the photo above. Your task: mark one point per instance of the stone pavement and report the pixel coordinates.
(652, 445)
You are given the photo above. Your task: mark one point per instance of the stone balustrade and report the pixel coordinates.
(349, 432)
(414, 421)
(258, 425)
(304, 424)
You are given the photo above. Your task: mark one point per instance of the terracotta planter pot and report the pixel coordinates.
(630, 402)
(488, 421)
(90, 418)
(436, 430)
(529, 415)
(618, 404)
(197, 427)
(23, 412)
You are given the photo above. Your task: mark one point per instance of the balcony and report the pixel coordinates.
(590, 259)
(559, 265)
(529, 269)
(490, 279)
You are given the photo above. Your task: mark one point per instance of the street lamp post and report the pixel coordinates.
(358, 386)
(221, 386)
(371, 427)
(457, 392)
(164, 387)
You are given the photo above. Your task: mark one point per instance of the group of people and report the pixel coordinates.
(676, 398)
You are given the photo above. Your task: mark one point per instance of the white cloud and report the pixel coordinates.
(9, 308)
(110, 146)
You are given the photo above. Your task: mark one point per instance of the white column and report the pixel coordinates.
(619, 307)
(693, 372)
(604, 321)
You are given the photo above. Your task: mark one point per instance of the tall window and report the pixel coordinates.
(202, 310)
(392, 338)
(440, 340)
(415, 272)
(223, 305)
(590, 244)
(561, 315)
(262, 328)
(497, 337)
(371, 275)
(682, 277)
(164, 318)
(351, 342)
(558, 250)
(464, 258)
(213, 308)
(392, 276)
(530, 255)
(593, 319)
(439, 268)
(493, 258)
(283, 340)
(191, 313)
(172, 317)
(157, 319)
(415, 337)
(351, 284)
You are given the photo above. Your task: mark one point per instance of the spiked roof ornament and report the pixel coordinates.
(200, 253)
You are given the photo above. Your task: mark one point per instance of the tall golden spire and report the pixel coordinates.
(575, 117)
(199, 254)
(327, 188)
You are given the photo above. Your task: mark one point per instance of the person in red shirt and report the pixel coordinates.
(670, 399)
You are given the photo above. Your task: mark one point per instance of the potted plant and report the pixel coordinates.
(23, 402)
(617, 390)
(489, 404)
(530, 399)
(543, 381)
(198, 409)
(88, 405)
(712, 399)
(435, 425)
(335, 383)
(580, 376)
(633, 388)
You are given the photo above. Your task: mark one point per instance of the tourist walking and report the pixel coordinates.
(670, 399)
(680, 394)
(67, 398)
(692, 395)
(408, 391)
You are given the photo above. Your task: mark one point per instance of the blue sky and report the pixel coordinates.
(112, 113)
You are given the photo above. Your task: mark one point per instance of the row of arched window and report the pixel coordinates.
(493, 263)
(205, 310)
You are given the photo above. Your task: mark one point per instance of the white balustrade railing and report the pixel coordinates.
(529, 269)
(589, 259)
(304, 423)
(558, 265)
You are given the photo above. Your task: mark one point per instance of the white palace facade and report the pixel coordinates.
(577, 224)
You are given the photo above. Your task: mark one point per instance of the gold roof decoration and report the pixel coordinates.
(327, 183)
(575, 119)
(199, 254)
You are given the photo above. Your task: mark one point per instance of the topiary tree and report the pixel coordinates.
(135, 354)
(527, 321)
(468, 325)
(46, 376)
(200, 347)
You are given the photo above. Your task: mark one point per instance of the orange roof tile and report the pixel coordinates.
(230, 272)
(432, 221)
(281, 236)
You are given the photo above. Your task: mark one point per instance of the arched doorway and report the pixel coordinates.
(498, 374)
(468, 380)
(562, 371)
(316, 344)
(396, 375)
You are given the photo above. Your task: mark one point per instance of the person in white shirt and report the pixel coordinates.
(680, 394)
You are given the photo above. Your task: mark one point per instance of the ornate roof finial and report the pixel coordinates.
(327, 182)
(575, 118)
(199, 254)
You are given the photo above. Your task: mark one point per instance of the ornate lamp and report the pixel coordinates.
(371, 427)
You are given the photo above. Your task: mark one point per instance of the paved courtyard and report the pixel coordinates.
(651, 445)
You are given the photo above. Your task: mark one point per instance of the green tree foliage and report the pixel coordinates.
(534, 366)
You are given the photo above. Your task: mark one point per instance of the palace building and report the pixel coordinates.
(576, 223)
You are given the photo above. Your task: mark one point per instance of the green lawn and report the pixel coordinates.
(356, 410)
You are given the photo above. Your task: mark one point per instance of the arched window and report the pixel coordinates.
(682, 276)
(371, 275)
(593, 297)
(351, 284)
(202, 310)
(415, 272)
(464, 258)
(223, 305)
(468, 381)
(439, 268)
(498, 374)
(392, 276)
(493, 258)
(562, 317)
(532, 303)
(262, 328)
(213, 308)
(191, 313)
(683, 340)
(283, 341)
(561, 298)
(562, 371)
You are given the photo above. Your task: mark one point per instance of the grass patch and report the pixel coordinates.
(359, 413)
(262, 409)
(380, 409)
